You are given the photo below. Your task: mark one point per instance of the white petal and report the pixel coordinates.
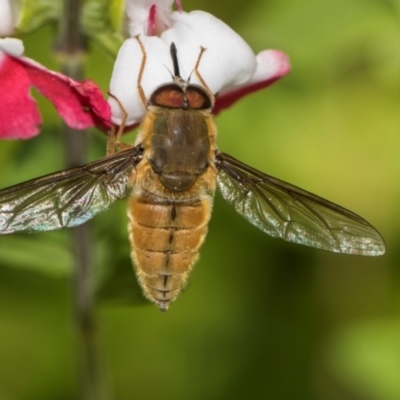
(138, 14)
(12, 46)
(124, 80)
(7, 17)
(271, 64)
(228, 59)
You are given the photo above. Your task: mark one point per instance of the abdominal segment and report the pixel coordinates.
(166, 236)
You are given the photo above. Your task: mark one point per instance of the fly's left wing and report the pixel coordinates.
(68, 198)
(286, 211)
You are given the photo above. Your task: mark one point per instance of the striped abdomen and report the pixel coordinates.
(172, 199)
(166, 236)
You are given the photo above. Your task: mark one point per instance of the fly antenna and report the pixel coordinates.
(172, 75)
(174, 56)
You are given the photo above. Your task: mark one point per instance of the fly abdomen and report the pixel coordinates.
(166, 236)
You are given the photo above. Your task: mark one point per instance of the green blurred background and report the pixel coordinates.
(261, 318)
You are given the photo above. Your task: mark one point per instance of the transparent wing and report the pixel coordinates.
(68, 198)
(286, 211)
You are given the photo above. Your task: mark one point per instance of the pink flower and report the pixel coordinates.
(228, 66)
(80, 104)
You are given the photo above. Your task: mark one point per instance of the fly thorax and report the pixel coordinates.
(180, 148)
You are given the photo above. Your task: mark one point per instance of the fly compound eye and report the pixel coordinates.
(169, 96)
(197, 98)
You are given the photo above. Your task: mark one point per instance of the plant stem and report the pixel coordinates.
(70, 47)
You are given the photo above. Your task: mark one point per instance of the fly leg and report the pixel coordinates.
(139, 80)
(197, 73)
(114, 137)
(113, 140)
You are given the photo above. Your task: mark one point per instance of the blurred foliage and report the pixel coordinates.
(365, 355)
(32, 14)
(260, 318)
(103, 22)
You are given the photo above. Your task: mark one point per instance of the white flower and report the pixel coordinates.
(227, 66)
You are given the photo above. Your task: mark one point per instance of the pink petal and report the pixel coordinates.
(152, 24)
(80, 104)
(272, 65)
(179, 5)
(19, 114)
(92, 99)
(148, 16)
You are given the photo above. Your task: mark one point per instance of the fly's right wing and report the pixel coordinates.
(293, 214)
(68, 198)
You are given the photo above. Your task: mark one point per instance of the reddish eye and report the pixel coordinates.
(170, 96)
(197, 98)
